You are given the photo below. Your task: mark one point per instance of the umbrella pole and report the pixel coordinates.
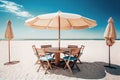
(57, 54)
(109, 65)
(9, 62)
(59, 32)
(109, 55)
(9, 49)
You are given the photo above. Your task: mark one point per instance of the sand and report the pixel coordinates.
(94, 58)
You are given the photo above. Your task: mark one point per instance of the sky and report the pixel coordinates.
(18, 11)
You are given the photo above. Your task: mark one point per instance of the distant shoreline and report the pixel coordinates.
(52, 39)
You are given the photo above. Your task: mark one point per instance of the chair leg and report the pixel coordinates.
(65, 65)
(49, 65)
(39, 68)
(79, 61)
(69, 67)
(46, 69)
(37, 62)
(73, 65)
(75, 62)
(42, 64)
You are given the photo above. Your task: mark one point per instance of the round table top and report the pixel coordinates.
(56, 50)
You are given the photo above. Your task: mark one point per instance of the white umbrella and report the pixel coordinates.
(9, 36)
(110, 35)
(60, 21)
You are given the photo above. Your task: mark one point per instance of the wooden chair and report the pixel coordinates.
(66, 53)
(47, 46)
(81, 52)
(44, 59)
(36, 53)
(72, 46)
(75, 46)
(73, 57)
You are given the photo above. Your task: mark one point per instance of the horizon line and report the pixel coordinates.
(57, 39)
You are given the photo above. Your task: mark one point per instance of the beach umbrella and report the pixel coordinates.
(60, 21)
(110, 35)
(9, 36)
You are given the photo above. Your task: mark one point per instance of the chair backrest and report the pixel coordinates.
(81, 50)
(35, 50)
(72, 46)
(74, 51)
(46, 46)
(39, 53)
(77, 52)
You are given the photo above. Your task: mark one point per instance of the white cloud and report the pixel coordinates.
(14, 8)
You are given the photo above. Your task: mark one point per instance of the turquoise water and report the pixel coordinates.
(56, 39)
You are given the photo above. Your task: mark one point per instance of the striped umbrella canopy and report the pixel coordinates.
(110, 32)
(60, 21)
(110, 36)
(9, 33)
(9, 36)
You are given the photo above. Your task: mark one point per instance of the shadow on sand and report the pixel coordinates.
(114, 71)
(93, 70)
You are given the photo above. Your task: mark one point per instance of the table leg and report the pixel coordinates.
(57, 59)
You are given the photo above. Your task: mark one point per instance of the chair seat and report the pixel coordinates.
(48, 53)
(66, 52)
(70, 58)
(46, 57)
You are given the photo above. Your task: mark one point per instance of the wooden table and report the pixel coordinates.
(57, 52)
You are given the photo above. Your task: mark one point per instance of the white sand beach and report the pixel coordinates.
(94, 58)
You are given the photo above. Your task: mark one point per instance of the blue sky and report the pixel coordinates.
(20, 10)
